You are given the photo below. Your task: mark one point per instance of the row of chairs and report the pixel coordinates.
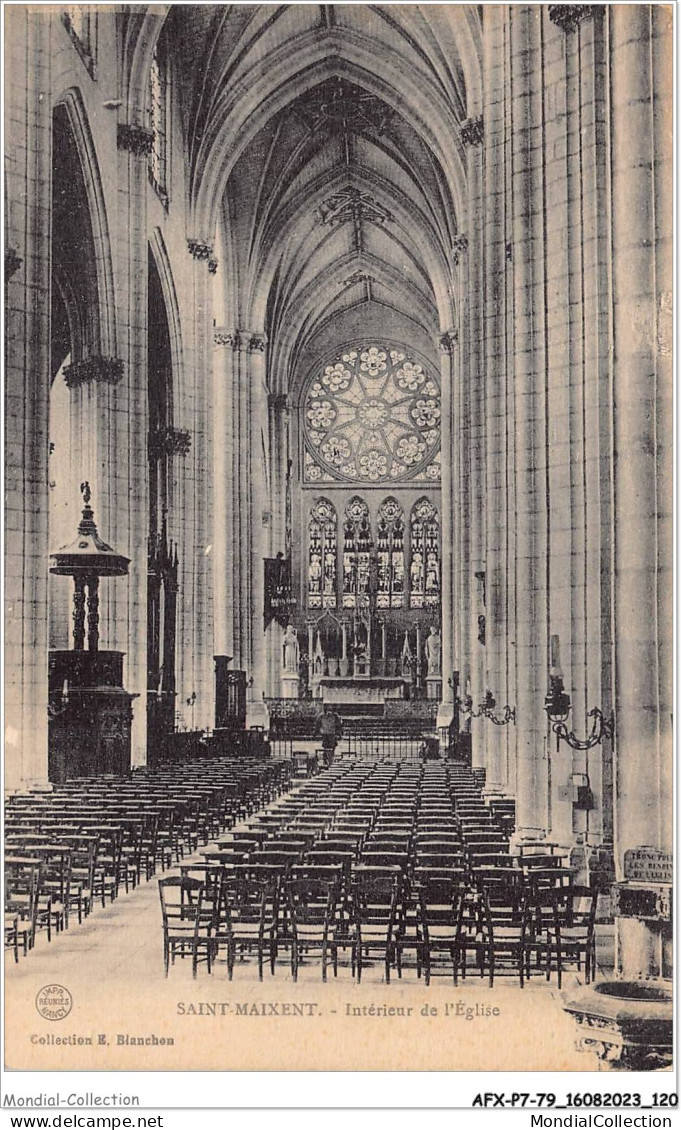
(395, 828)
(78, 845)
(378, 916)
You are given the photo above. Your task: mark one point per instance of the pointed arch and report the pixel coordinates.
(105, 321)
(141, 35)
(159, 252)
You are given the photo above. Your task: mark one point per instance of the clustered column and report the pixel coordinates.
(27, 374)
(530, 449)
(447, 344)
(641, 252)
(278, 404)
(242, 366)
(472, 136)
(498, 272)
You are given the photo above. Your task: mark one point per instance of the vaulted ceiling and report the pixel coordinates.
(323, 145)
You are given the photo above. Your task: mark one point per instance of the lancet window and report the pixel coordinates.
(390, 555)
(424, 569)
(321, 576)
(357, 549)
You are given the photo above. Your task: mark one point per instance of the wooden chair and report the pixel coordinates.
(502, 936)
(441, 904)
(247, 918)
(569, 935)
(376, 909)
(23, 877)
(311, 904)
(185, 928)
(108, 871)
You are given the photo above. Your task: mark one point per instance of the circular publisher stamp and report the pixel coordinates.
(54, 1002)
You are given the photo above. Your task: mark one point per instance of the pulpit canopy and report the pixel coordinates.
(88, 555)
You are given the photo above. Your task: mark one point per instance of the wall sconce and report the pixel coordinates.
(557, 705)
(465, 704)
(487, 710)
(192, 699)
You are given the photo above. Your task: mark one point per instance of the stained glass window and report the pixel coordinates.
(321, 574)
(424, 566)
(390, 554)
(372, 415)
(357, 549)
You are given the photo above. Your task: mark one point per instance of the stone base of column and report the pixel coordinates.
(257, 714)
(434, 687)
(524, 836)
(443, 724)
(16, 784)
(445, 715)
(643, 949)
(138, 752)
(493, 789)
(290, 686)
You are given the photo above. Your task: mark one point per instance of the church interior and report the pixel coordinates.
(338, 493)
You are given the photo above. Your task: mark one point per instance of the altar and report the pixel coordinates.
(361, 689)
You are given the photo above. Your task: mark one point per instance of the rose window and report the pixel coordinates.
(372, 414)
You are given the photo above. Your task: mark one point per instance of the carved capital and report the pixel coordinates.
(135, 139)
(569, 16)
(169, 441)
(459, 247)
(228, 338)
(279, 401)
(12, 263)
(447, 341)
(199, 250)
(104, 370)
(257, 343)
(472, 131)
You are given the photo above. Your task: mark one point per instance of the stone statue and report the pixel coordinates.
(291, 650)
(434, 652)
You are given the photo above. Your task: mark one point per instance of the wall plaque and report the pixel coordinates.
(648, 865)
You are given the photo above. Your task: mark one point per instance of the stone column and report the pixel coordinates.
(598, 673)
(449, 433)
(257, 713)
(128, 487)
(241, 365)
(461, 501)
(28, 147)
(198, 467)
(278, 405)
(641, 98)
(497, 272)
(472, 136)
(249, 503)
(530, 441)
(223, 530)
